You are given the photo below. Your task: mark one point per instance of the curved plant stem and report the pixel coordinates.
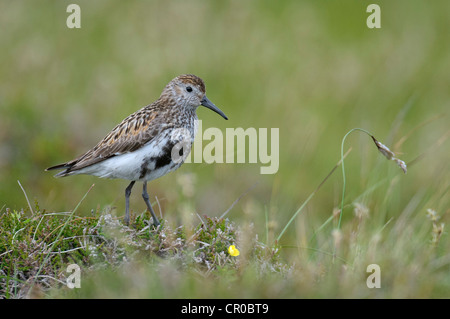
(343, 170)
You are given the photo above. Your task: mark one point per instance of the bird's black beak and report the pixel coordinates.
(207, 103)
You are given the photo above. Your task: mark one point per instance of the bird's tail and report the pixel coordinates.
(65, 172)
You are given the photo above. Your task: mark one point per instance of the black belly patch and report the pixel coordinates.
(162, 161)
(144, 169)
(165, 159)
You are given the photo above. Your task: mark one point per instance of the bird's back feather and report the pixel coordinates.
(131, 134)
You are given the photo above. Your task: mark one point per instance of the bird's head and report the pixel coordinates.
(189, 90)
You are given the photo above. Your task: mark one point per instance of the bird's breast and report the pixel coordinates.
(166, 154)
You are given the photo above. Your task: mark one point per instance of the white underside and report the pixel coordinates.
(129, 165)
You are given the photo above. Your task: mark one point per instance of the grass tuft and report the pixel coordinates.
(36, 250)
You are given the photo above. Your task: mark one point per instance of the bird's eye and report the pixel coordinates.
(189, 89)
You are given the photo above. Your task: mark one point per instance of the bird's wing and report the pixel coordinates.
(133, 132)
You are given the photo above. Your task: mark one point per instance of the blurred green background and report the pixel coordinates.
(311, 68)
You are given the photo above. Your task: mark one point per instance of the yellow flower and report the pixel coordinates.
(233, 251)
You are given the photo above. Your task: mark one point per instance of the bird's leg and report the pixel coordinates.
(127, 202)
(149, 206)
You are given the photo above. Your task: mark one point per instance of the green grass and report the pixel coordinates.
(143, 262)
(36, 251)
(311, 68)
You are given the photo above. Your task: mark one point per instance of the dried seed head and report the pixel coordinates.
(389, 154)
(384, 149)
(437, 233)
(360, 210)
(401, 164)
(431, 214)
(438, 229)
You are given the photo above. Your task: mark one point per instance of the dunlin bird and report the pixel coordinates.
(141, 147)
